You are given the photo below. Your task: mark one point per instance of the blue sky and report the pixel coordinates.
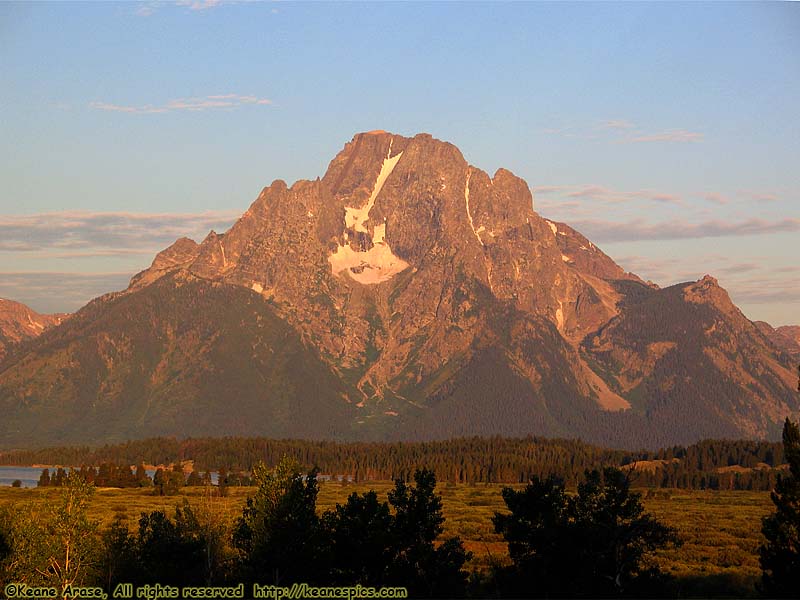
(667, 133)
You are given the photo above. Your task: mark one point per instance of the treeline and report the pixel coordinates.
(707, 464)
(165, 482)
(596, 541)
(106, 475)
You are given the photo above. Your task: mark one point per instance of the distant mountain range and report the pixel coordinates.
(405, 295)
(19, 323)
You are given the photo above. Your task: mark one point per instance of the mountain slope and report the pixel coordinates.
(405, 294)
(688, 359)
(183, 357)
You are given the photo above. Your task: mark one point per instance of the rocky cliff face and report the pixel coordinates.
(443, 304)
(381, 264)
(19, 323)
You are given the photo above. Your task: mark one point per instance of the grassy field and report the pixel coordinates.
(721, 530)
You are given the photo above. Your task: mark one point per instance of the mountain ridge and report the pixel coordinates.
(441, 304)
(19, 323)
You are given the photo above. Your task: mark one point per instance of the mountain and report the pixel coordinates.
(785, 337)
(404, 295)
(19, 323)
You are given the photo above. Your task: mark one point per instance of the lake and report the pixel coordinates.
(29, 476)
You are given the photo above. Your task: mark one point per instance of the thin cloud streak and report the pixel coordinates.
(748, 283)
(146, 9)
(200, 4)
(640, 230)
(622, 131)
(675, 135)
(59, 291)
(213, 102)
(716, 198)
(605, 194)
(64, 234)
(617, 124)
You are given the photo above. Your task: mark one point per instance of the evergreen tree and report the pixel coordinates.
(159, 481)
(614, 533)
(171, 552)
(360, 542)
(120, 557)
(426, 570)
(278, 534)
(540, 539)
(222, 482)
(594, 543)
(44, 478)
(780, 556)
(167, 483)
(59, 477)
(142, 478)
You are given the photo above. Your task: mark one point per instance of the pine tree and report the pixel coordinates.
(594, 543)
(222, 482)
(780, 556)
(425, 569)
(359, 534)
(44, 478)
(278, 534)
(159, 482)
(141, 476)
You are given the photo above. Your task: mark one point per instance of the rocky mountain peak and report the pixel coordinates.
(384, 244)
(708, 290)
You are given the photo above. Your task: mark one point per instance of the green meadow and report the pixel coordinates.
(721, 530)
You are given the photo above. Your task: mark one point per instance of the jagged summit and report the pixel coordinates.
(426, 299)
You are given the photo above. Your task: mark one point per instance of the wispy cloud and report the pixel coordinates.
(622, 131)
(146, 9)
(214, 102)
(551, 189)
(755, 282)
(759, 195)
(601, 193)
(199, 4)
(80, 234)
(675, 136)
(716, 198)
(617, 124)
(58, 291)
(638, 229)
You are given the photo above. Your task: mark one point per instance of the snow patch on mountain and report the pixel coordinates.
(356, 218)
(378, 263)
